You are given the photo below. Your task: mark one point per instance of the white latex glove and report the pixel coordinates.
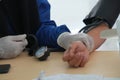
(12, 46)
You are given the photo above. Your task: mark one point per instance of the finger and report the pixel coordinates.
(72, 51)
(84, 61)
(22, 44)
(66, 56)
(75, 62)
(25, 42)
(85, 58)
(79, 61)
(18, 37)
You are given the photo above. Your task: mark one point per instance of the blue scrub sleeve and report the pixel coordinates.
(44, 10)
(48, 33)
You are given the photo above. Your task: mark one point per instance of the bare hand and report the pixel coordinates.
(76, 55)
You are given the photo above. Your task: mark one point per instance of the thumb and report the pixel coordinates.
(19, 37)
(22, 44)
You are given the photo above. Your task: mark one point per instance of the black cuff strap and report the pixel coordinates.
(32, 44)
(93, 25)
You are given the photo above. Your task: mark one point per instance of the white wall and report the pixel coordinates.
(71, 12)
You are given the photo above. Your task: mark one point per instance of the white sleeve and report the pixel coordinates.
(66, 38)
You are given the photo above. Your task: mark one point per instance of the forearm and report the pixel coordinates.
(95, 34)
(48, 33)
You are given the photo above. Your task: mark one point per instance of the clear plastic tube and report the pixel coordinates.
(118, 32)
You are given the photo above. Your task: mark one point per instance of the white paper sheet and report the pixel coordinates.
(71, 77)
(74, 77)
(111, 79)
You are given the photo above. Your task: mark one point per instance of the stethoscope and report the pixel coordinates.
(41, 53)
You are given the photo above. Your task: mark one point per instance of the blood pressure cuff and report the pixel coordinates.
(94, 23)
(104, 11)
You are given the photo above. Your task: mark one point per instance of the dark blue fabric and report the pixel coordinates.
(48, 31)
(44, 10)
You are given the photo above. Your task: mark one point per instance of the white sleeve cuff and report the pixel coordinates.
(66, 38)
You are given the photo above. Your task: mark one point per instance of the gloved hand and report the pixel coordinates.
(12, 46)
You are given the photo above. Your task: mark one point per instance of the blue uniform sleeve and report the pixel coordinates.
(44, 10)
(48, 32)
